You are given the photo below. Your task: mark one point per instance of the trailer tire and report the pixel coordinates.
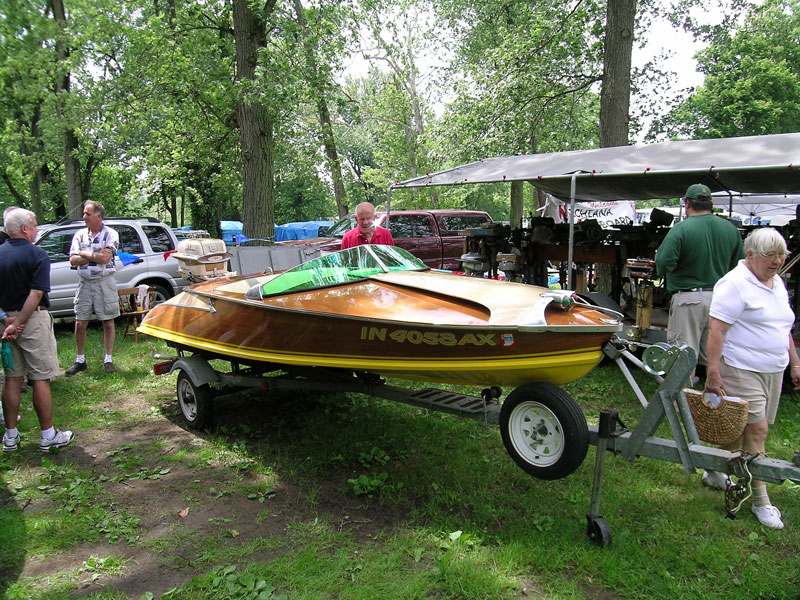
(196, 402)
(544, 430)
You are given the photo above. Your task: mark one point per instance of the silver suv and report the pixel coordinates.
(146, 238)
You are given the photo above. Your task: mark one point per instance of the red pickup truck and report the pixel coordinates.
(430, 235)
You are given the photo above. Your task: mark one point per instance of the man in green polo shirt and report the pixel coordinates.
(694, 255)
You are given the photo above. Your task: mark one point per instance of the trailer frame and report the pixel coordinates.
(670, 365)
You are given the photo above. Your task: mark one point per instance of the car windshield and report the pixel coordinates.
(345, 266)
(341, 227)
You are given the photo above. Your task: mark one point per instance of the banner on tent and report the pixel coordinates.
(607, 214)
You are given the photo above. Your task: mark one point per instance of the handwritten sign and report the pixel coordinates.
(607, 214)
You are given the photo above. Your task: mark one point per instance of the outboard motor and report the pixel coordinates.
(474, 264)
(202, 259)
(510, 264)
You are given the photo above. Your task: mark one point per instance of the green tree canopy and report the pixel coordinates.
(752, 78)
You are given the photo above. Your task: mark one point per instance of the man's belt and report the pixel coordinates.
(697, 289)
(100, 278)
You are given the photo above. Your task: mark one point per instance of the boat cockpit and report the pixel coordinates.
(337, 268)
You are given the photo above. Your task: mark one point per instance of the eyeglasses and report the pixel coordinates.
(773, 255)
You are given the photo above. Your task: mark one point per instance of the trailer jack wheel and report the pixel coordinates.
(598, 530)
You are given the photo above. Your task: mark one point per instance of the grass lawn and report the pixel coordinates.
(316, 496)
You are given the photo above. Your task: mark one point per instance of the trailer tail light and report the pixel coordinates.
(163, 368)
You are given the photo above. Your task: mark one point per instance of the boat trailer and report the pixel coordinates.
(542, 427)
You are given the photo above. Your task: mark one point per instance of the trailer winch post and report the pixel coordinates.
(668, 395)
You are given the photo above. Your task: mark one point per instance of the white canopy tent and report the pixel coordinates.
(768, 164)
(777, 208)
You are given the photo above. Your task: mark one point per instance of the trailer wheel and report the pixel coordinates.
(544, 430)
(196, 402)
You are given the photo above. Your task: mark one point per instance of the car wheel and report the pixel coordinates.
(161, 293)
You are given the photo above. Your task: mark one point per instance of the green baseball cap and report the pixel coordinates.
(698, 190)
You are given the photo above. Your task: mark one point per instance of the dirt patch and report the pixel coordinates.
(190, 508)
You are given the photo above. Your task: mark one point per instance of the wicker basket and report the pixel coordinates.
(721, 424)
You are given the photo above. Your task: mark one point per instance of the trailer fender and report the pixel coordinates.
(197, 369)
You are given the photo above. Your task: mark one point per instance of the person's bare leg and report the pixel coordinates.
(11, 400)
(755, 437)
(108, 336)
(80, 335)
(43, 402)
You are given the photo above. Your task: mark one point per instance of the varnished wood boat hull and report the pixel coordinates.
(358, 336)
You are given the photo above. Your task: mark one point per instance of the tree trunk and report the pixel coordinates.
(72, 167)
(19, 200)
(173, 212)
(255, 125)
(325, 126)
(515, 217)
(539, 196)
(332, 156)
(35, 188)
(170, 205)
(406, 80)
(72, 173)
(615, 96)
(34, 152)
(616, 90)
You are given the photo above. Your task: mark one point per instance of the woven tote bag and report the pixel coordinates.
(720, 424)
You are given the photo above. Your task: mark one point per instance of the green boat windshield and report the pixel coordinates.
(345, 266)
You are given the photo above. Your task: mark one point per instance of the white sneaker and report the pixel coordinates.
(717, 480)
(10, 443)
(60, 439)
(768, 515)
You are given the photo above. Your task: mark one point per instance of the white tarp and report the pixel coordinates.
(778, 209)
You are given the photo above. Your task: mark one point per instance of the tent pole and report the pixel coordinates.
(572, 185)
(388, 205)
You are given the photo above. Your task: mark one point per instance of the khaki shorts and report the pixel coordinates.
(761, 390)
(34, 351)
(688, 321)
(97, 297)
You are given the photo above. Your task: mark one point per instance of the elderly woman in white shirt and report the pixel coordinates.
(749, 346)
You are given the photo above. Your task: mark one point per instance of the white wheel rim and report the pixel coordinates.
(187, 400)
(536, 434)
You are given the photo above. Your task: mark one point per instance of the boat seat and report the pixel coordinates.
(134, 303)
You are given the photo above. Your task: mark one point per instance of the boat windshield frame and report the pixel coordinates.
(338, 268)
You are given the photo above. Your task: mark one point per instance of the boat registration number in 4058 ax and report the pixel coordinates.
(433, 338)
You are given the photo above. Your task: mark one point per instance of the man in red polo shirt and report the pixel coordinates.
(366, 232)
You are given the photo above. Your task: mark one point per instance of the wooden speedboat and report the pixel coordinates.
(378, 309)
